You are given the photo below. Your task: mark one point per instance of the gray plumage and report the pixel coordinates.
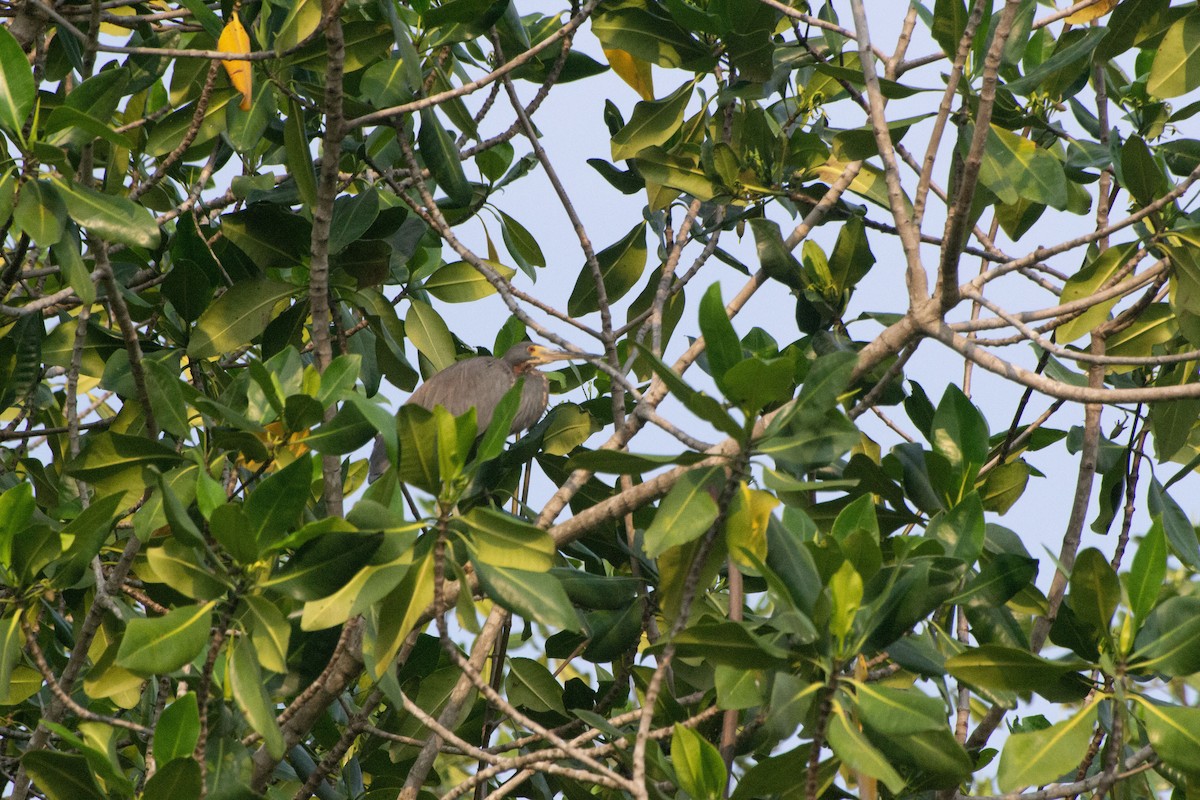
(480, 383)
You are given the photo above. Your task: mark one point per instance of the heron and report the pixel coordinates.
(480, 383)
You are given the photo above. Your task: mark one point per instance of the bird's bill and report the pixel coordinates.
(544, 355)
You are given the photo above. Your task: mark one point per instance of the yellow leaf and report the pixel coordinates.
(234, 39)
(633, 71)
(1086, 15)
(746, 525)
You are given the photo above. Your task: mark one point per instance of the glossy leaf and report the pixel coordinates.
(720, 341)
(633, 70)
(1095, 589)
(246, 684)
(857, 753)
(501, 540)
(235, 41)
(653, 122)
(460, 282)
(17, 89)
(1040, 757)
(1174, 733)
(1145, 579)
(1172, 73)
(685, 513)
(621, 265)
(441, 157)
(159, 645)
(174, 780)
(178, 729)
(429, 334)
(1011, 669)
(62, 776)
(40, 212)
(698, 764)
(237, 316)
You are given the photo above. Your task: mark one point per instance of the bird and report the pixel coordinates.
(481, 382)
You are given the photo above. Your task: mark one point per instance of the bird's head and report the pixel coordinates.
(527, 355)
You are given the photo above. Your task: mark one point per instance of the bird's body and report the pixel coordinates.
(481, 383)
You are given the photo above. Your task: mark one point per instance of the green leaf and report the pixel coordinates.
(1040, 757)
(1087, 282)
(1145, 579)
(40, 212)
(653, 122)
(535, 596)
(1140, 173)
(111, 217)
(1169, 640)
(1174, 71)
(429, 334)
(399, 611)
(183, 568)
(949, 22)
(107, 454)
(899, 712)
(721, 342)
(275, 505)
(999, 581)
(774, 257)
(246, 683)
(502, 540)
(825, 382)
(846, 594)
(532, 686)
(174, 780)
(1004, 485)
(621, 266)
(698, 765)
(303, 18)
(1174, 733)
(960, 529)
(441, 156)
(730, 643)
(237, 317)
(12, 643)
(814, 445)
(16, 511)
(620, 462)
(650, 33)
(960, 433)
(681, 171)
(524, 249)
(17, 89)
(346, 432)
(418, 449)
(160, 645)
(299, 158)
(857, 753)
(270, 235)
(61, 776)
(569, 426)
(178, 730)
(1180, 533)
(83, 537)
(459, 282)
(685, 513)
(1095, 588)
(1014, 169)
(1010, 669)
(169, 133)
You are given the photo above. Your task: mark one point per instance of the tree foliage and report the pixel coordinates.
(226, 225)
